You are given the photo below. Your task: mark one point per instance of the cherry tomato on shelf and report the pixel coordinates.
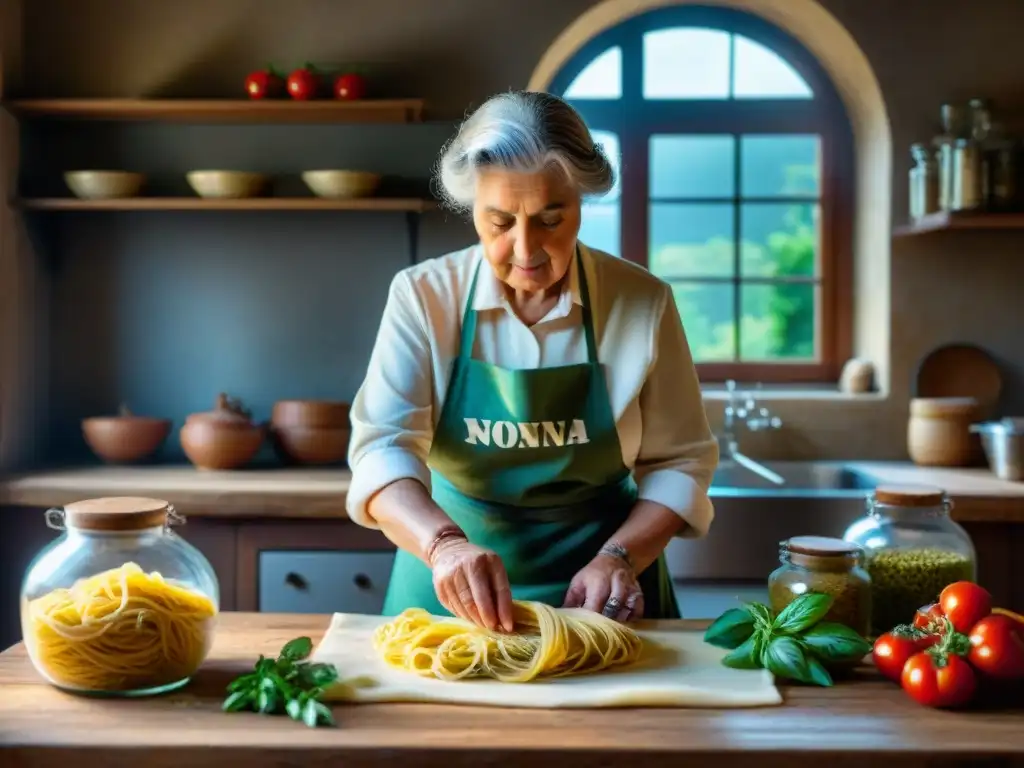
(892, 650)
(997, 647)
(349, 86)
(938, 680)
(965, 603)
(266, 84)
(303, 84)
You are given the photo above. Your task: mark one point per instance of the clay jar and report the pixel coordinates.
(310, 431)
(224, 438)
(938, 433)
(125, 438)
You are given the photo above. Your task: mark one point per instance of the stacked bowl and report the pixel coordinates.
(310, 431)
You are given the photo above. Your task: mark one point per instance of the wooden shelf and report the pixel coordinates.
(383, 204)
(943, 221)
(224, 110)
(300, 492)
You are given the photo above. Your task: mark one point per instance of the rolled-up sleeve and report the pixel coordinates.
(392, 422)
(678, 452)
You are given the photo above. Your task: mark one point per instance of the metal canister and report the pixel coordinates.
(967, 192)
(924, 183)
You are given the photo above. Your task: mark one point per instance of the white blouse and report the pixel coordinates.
(653, 387)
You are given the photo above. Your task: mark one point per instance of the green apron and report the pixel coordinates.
(528, 464)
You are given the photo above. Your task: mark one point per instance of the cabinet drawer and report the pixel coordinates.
(323, 582)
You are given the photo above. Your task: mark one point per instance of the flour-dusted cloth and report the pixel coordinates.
(653, 388)
(677, 669)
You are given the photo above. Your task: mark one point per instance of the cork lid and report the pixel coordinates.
(910, 495)
(821, 546)
(116, 513)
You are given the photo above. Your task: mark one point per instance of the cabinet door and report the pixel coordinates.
(323, 582)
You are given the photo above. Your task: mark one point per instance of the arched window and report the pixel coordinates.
(735, 159)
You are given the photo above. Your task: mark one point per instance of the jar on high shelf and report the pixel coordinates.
(912, 550)
(822, 565)
(118, 604)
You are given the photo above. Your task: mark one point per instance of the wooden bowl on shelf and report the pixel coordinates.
(309, 413)
(224, 438)
(104, 185)
(227, 184)
(341, 184)
(125, 438)
(311, 445)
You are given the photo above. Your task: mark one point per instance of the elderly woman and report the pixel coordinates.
(531, 424)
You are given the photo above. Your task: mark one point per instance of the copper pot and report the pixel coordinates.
(125, 438)
(224, 438)
(310, 413)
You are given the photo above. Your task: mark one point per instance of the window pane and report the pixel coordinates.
(763, 74)
(779, 240)
(692, 166)
(780, 166)
(686, 63)
(600, 79)
(707, 311)
(610, 144)
(778, 322)
(600, 227)
(692, 240)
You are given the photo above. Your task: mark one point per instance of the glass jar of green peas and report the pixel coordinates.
(912, 550)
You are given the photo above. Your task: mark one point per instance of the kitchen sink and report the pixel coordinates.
(752, 515)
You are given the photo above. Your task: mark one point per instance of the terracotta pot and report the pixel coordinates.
(311, 445)
(938, 432)
(224, 438)
(310, 413)
(125, 437)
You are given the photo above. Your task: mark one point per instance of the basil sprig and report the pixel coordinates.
(794, 644)
(288, 685)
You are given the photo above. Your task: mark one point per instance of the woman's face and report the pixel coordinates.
(527, 224)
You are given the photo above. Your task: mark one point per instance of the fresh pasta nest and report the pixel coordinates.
(547, 642)
(120, 630)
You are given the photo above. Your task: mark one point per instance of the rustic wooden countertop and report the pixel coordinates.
(847, 725)
(320, 493)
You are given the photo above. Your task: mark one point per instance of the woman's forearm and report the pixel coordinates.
(408, 516)
(647, 531)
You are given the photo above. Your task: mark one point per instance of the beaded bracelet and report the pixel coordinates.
(447, 532)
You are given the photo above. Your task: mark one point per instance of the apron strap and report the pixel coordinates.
(468, 333)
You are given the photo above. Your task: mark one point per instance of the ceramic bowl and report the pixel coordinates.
(311, 445)
(224, 438)
(227, 184)
(125, 438)
(309, 413)
(340, 184)
(104, 185)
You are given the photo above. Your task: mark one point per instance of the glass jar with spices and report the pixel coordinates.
(924, 182)
(119, 604)
(912, 550)
(822, 565)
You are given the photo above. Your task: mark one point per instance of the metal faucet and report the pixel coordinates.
(756, 418)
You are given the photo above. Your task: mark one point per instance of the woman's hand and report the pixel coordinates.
(607, 585)
(471, 582)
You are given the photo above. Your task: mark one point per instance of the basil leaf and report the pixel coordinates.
(762, 615)
(802, 613)
(236, 701)
(817, 674)
(242, 683)
(745, 656)
(293, 709)
(297, 649)
(784, 658)
(325, 713)
(310, 714)
(319, 675)
(730, 629)
(835, 642)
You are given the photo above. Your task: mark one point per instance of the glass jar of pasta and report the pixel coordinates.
(912, 550)
(119, 604)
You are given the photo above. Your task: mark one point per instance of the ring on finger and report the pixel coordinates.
(612, 607)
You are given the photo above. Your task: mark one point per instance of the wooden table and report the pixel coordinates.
(847, 725)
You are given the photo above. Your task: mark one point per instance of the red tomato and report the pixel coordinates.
(928, 618)
(997, 647)
(965, 604)
(948, 684)
(349, 86)
(302, 84)
(264, 85)
(892, 650)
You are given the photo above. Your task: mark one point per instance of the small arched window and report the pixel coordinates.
(734, 154)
